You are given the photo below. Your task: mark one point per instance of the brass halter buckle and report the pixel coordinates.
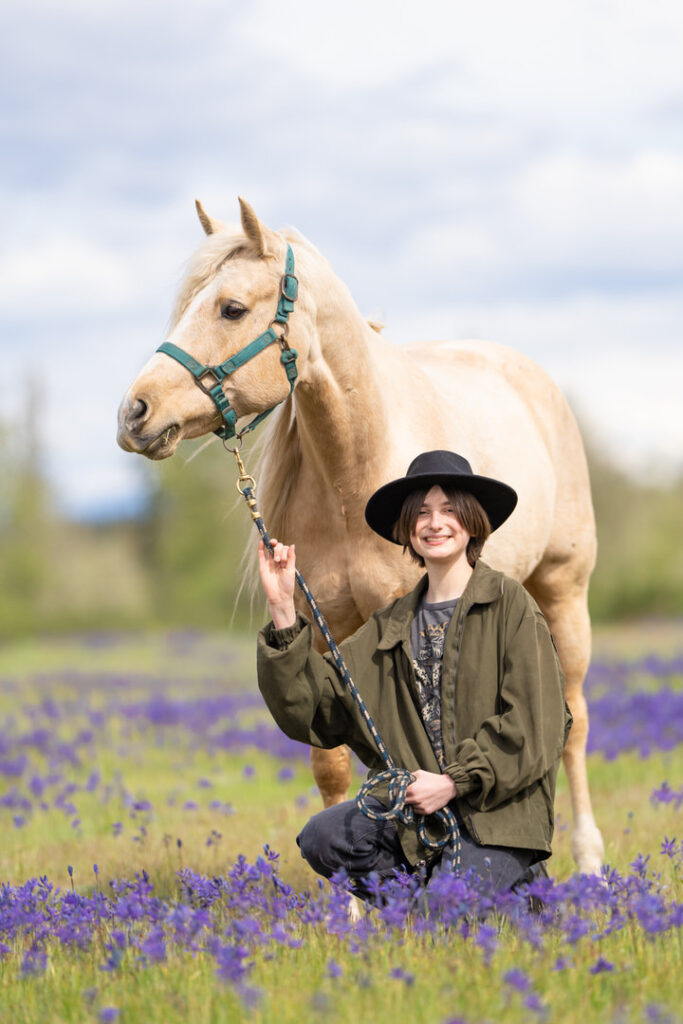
(245, 480)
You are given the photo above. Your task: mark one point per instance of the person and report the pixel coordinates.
(461, 677)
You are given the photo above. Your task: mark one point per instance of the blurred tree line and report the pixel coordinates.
(182, 563)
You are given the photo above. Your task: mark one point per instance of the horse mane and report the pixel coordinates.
(277, 461)
(278, 464)
(208, 259)
(205, 263)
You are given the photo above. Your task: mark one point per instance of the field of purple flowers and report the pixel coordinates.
(149, 807)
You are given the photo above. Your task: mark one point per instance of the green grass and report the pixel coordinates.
(451, 977)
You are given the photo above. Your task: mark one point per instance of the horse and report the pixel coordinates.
(355, 412)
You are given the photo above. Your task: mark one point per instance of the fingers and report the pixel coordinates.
(283, 555)
(280, 553)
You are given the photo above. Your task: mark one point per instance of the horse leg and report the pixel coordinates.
(569, 622)
(332, 773)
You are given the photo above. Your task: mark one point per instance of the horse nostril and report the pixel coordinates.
(137, 410)
(135, 415)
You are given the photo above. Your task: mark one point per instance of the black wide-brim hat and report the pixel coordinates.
(447, 470)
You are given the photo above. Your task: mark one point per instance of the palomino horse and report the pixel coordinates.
(361, 409)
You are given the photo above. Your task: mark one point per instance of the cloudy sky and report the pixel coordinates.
(494, 170)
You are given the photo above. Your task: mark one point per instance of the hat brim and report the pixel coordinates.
(384, 507)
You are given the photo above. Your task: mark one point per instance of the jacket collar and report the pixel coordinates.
(484, 586)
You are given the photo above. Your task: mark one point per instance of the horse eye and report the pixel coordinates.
(232, 311)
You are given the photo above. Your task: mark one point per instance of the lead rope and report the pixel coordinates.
(397, 779)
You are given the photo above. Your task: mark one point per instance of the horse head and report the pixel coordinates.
(233, 293)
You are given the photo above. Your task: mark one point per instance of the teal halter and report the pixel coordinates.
(210, 378)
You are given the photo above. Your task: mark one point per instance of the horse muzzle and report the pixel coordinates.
(134, 433)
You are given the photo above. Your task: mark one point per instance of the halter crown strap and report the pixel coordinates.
(210, 378)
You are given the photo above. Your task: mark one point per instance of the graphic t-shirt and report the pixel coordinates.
(427, 637)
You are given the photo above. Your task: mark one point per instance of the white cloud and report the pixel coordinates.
(619, 361)
(508, 170)
(623, 213)
(631, 403)
(529, 57)
(54, 274)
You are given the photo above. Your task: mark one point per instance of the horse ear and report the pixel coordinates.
(210, 224)
(258, 234)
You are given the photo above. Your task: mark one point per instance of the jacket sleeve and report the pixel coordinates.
(301, 687)
(516, 748)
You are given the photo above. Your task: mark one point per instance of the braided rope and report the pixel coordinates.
(397, 779)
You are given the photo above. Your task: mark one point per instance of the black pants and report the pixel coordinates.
(343, 837)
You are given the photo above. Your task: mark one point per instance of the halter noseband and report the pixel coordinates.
(210, 378)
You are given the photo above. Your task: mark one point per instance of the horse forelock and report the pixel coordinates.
(205, 263)
(214, 251)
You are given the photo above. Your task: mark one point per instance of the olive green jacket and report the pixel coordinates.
(503, 715)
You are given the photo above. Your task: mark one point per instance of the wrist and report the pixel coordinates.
(283, 615)
(449, 786)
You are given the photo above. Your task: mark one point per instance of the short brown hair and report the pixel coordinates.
(467, 509)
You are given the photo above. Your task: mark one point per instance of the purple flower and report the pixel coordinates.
(33, 963)
(108, 1014)
(639, 865)
(333, 969)
(576, 928)
(230, 959)
(663, 795)
(400, 975)
(517, 979)
(487, 940)
(154, 946)
(668, 847)
(601, 965)
(656, 1015)
(533, 1003)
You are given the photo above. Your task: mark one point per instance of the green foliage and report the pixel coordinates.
(183, 561)
(639, 569)
(195, 534)
(56, 574)
(26, 527)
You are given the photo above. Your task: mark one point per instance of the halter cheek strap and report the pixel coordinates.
(210, 378)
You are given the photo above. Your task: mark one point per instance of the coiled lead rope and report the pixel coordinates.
(397, 779)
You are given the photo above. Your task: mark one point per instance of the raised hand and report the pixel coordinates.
(278, 579)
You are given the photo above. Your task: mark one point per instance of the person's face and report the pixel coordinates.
(438, 536)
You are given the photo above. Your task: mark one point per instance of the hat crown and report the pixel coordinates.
(444, 469)
(439, 462)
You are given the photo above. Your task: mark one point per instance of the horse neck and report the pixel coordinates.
(337, 435)
(340, 413)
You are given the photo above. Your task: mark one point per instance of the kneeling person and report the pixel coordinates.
(460, 676)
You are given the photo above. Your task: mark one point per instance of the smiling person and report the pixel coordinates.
(460, 676)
